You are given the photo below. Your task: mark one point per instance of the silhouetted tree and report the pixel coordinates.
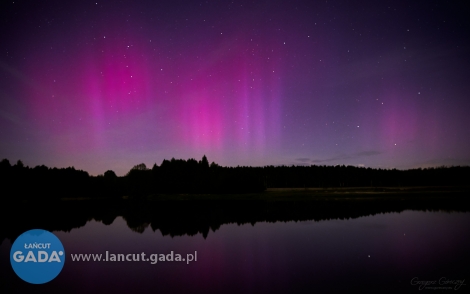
(204, 162)
(5, 164)
(141, 166)
(110, 174)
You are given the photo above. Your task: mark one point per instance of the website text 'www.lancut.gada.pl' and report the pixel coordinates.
(152, 258)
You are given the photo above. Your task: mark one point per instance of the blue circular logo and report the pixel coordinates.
(37, 256)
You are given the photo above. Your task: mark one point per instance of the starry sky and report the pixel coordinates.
(104, 85)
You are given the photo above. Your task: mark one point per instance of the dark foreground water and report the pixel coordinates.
(375, 251)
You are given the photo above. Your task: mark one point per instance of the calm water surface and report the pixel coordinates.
(377, 254)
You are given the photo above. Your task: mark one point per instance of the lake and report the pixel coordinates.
(265, 248)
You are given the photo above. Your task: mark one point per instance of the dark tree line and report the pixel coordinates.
(172, 176)
(42, 181)
(192, 176)
(350, 176)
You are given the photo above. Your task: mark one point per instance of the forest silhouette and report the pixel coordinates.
(178, 176)
(173, 212)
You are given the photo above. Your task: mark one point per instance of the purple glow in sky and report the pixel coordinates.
(106, 85)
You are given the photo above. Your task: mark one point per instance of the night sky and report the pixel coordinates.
(104, 85)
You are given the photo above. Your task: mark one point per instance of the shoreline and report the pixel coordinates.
(440, 193)
(327, 193)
